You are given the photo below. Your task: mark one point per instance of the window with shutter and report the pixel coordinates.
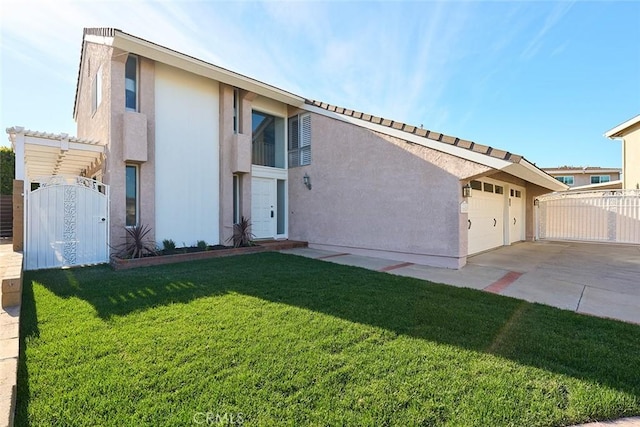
(305, 140)
(299, 140)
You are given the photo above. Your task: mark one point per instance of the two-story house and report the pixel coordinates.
(187, 148)
(629, 133)
(588, 177)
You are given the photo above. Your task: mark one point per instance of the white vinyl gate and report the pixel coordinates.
(598, 216)
(67, 222)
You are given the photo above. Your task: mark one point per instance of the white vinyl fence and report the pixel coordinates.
(597, 216)
(67, 221)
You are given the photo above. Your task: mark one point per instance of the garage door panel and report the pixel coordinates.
(486, 216)
(516, 214)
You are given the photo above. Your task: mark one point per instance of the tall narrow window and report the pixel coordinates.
(236, 199)
(131, 186)
(131, 83)
(237, 111)
(96, 91)
(300, 140)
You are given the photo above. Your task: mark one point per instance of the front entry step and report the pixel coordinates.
(279, 245)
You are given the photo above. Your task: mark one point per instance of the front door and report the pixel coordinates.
(263, 204)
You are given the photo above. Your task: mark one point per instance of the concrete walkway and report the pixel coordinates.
(10, 294)
(597, 279)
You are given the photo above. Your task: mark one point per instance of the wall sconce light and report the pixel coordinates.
(306, 179)
(536, 202)
(466, 191)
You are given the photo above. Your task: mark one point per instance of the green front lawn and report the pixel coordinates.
(273, 339)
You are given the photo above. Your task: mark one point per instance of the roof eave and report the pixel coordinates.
(182, 61)
(529, 172)
(622, 129)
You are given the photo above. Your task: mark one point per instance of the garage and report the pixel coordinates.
(496, 214)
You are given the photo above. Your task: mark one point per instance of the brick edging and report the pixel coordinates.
(126, 264)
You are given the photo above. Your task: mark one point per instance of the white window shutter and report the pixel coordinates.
(300, 140)
(305, 155)
(305, 130)
(305, 139)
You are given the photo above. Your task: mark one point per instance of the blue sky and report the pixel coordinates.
(541, 79)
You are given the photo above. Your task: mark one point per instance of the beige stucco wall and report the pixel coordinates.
(107, 124)
(631, 159)
(380, 195)
(233, 147)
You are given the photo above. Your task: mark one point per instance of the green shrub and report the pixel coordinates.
(168, 245)
(7, 170)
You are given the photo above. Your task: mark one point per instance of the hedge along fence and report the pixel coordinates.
(7, 173)
(7, 170)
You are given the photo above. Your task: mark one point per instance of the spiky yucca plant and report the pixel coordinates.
(242, 235)
(137, 243)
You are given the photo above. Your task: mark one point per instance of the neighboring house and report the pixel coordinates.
(588, 177)
(187, 148)
(629, 133)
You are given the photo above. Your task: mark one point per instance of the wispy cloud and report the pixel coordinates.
(559, 11)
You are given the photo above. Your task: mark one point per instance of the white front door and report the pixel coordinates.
(263, 204)
(516, 214)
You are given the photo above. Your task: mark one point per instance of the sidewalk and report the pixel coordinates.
(10, 294)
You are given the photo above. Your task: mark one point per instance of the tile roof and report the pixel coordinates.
(425, 133)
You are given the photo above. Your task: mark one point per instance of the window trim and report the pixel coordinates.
(136, 83)
(137, 195)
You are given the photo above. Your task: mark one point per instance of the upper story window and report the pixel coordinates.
(597, 179)
(300, 140)
(131, 83)
(267, 141)
(565, 179)
(96, 91)
(237, 111)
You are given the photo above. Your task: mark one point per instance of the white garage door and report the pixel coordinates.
(486, 215)
(516, 213)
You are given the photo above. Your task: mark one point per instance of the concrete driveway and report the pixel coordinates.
(598, 279)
